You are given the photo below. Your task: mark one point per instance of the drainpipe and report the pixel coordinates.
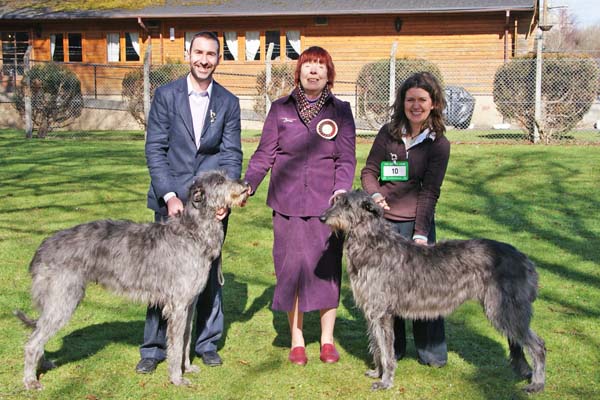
(141, 23)
(144, 27)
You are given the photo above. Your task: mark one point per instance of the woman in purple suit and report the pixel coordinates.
(308, 143)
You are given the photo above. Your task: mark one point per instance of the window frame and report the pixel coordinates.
(225, 46)
(277, 48)
(286, 39)
(13, 51)
(68, 54)
(138, 52)
(282, 56)
(122, 43)
(118, 43)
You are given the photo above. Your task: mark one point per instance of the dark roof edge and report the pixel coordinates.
(332, 13)
(142, 14)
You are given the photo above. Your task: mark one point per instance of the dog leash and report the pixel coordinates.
(220, 276)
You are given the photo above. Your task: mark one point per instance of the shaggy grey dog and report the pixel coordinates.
(391, 276)
(164, 264)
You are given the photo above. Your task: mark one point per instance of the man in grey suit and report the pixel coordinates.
(193, 126)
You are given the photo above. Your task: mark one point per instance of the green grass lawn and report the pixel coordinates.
(542, 199)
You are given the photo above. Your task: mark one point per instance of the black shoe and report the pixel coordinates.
(437, 364)
(211, 358)
(146, 365)
(433, 364)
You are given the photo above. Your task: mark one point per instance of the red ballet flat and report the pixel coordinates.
(298, 356)
(329, 354)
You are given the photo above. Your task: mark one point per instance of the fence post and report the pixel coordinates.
(95, 82)
(268, 77)
(538, 87)
(393, 73)
(147, 61)
(27, 94)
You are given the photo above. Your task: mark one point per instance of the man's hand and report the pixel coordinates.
(174, 206)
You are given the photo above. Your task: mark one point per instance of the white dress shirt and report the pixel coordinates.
(199, 107)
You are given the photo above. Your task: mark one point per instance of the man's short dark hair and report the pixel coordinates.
(206, 35)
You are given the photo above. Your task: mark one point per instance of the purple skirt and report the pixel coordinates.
(308, 260)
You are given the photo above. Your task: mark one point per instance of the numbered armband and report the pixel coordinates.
(394, 170)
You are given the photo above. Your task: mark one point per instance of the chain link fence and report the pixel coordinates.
(548, 99)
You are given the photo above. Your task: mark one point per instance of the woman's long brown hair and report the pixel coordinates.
(435, 121)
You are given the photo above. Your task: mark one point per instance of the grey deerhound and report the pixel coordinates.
(165, 264)
(391, 276)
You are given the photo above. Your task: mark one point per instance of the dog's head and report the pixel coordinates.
(213, 190)
(350, 210)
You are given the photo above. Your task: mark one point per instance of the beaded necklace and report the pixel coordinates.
(307, 109)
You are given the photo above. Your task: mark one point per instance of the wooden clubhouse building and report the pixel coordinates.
(460, 36)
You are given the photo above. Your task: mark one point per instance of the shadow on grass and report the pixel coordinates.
(82, 175)
(504, 136)
(519, 137)
(487, 354)
(514, 209)
(235, 297)
(263, 301)
(86, 342)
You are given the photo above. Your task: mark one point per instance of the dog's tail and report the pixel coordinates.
(31, 323)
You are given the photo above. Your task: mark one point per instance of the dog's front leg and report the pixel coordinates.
(375, 351)
(382, 331)
(176, 322)
(375, 373)
(187, 365)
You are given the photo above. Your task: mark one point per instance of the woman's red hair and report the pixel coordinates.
(316, 53)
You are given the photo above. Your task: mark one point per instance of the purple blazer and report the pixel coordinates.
(306, 169)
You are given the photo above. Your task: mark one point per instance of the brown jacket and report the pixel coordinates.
(415, 199)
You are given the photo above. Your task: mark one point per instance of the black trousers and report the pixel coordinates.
(429, 335)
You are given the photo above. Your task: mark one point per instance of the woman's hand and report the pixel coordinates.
(380, 201)
(250, 191)
(334, 196)
(222, 213)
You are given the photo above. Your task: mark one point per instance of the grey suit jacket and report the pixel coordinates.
(171, 153)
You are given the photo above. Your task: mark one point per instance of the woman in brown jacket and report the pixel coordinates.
(404, 172)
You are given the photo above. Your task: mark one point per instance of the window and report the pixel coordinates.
(252, 46)
(73, 44)
(132, 46)
(289, 49)
(14, 46)
(292, 45)
(273, 37)
(113, 47)
(188, 42)
(57, 47)
(230, 46)
(75, 51)
(113, 51)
